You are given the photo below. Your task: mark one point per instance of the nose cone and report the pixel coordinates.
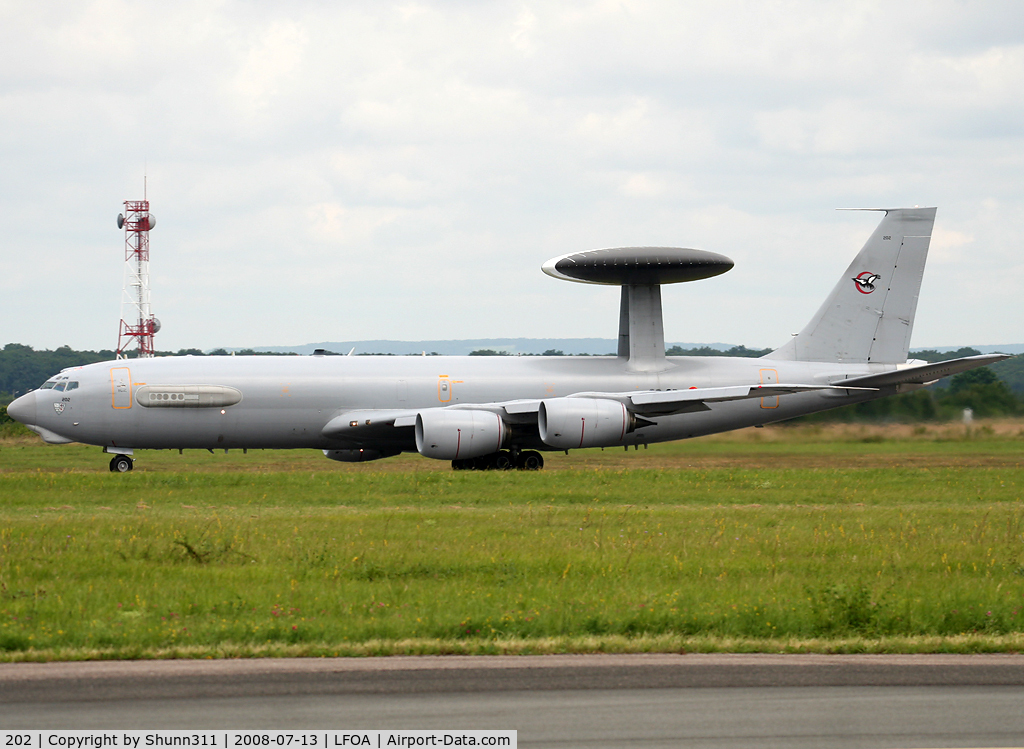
(23, 409)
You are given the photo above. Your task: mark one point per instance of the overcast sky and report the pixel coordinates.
(344, 171)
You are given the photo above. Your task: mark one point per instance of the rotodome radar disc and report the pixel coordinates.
(637, 265)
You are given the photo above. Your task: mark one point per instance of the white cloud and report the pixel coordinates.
(271, 64)
(345, 227)
(643, 186)
(442, 151)
(949, 245)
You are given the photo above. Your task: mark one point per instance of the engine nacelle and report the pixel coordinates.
(357, 455)
(570, 423)
(450, 435)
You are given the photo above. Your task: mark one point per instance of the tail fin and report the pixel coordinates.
(869, 315)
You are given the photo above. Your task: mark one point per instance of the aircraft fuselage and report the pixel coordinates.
(285, 402)
(496, 412)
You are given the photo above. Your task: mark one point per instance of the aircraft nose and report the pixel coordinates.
(23, 409)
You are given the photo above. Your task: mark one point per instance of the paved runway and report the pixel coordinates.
(559, 701)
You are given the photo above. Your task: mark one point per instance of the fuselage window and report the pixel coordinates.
(72, 385)
(59, 386)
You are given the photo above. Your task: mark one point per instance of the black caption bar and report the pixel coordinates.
(408, 739)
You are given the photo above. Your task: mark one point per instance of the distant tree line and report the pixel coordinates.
(996, 390)
(743, 351)
(22, 368)
(547, 352)
(670, 351)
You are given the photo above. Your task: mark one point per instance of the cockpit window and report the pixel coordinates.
(72, 385)
(48, 385)
(59, 386)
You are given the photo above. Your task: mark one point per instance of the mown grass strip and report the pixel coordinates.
(305, 491)
(958, 644)
(847, 556)
(151, 580)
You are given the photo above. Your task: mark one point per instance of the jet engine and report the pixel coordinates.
(450, 435)
(567, 423)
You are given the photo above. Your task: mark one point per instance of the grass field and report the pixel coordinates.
(810, 538)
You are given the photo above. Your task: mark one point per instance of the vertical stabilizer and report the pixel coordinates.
(869, 315)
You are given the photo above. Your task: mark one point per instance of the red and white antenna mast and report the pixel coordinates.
(138, 325)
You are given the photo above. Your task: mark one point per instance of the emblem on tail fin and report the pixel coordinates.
(866, 281)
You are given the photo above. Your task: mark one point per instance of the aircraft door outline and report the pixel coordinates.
(770, 377)
(120, 387)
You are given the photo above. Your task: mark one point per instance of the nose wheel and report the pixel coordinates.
(121, 464)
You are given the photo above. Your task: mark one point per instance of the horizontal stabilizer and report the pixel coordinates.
(925, 373)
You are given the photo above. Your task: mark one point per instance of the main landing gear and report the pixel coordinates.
(504, 460)
(121, 464)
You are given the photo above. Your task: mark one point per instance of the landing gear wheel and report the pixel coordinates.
(501, 461)
(121, 464)
(531, 460)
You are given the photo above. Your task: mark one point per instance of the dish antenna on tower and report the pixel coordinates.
(138, 326)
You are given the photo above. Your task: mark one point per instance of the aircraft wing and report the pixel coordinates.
(366, 427)
(924, 374)
(666, 402)
(372, 425)
(655, 402)
(369, 424)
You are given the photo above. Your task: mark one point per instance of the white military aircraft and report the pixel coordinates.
(500, 412)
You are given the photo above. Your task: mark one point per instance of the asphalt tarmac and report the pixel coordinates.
(558, 701)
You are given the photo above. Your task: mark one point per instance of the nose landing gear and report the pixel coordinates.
(121, 464)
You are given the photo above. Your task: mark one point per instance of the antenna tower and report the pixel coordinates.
(138, 326)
